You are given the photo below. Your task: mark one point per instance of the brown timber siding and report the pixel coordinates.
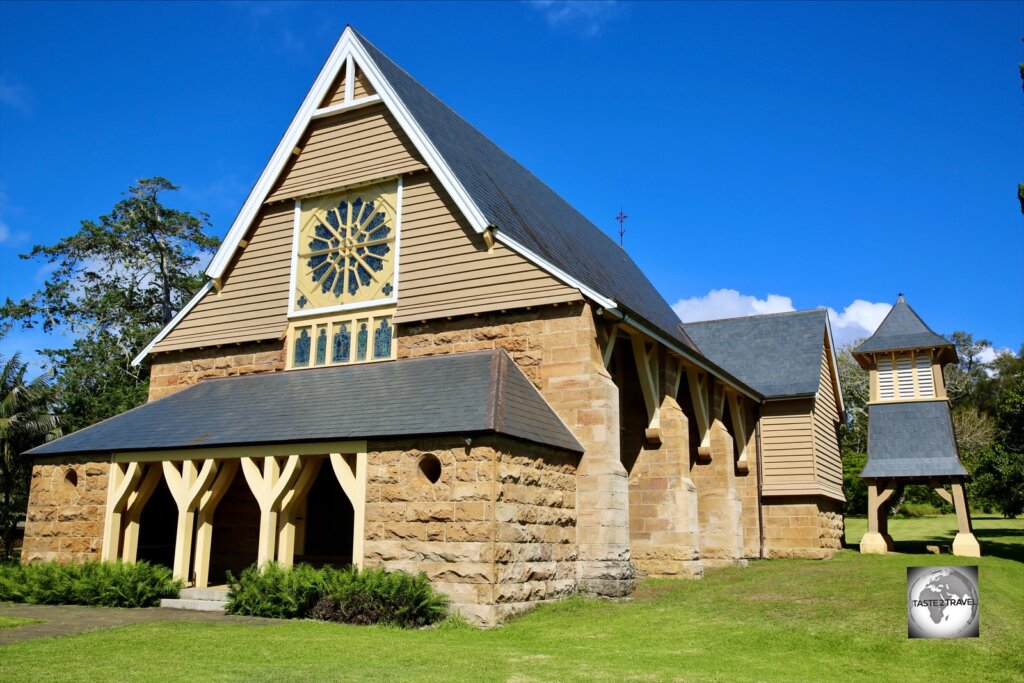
(787, 441)
(826, 441)
(336, 93)
(446, 270)
(253, 302)
(345, 149)
(362, 88)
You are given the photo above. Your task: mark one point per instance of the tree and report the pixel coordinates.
(26, 420)
(115, 283)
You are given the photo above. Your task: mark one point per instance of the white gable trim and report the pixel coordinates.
(554, 270)
(835, 366)
(349, 54)
(174, 321)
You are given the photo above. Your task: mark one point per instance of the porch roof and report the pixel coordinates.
(911, 440)
(450, 394)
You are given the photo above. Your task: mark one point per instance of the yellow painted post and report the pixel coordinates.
(269, 489)
(204, 518)
(121, 485)
(133, 512)
(351, 469)
(290, 504)
(186, 487)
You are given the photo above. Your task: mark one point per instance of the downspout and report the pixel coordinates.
(760, 486)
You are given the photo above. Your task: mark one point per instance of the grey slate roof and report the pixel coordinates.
(913, 439)
(452, 394)
(904, 329)
(778, 354)
(520, 205)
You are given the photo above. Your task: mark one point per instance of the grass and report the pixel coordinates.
(782, 620)
(15, 622)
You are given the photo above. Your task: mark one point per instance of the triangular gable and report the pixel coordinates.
(351, 78)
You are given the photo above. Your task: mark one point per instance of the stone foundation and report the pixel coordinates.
(173, 371)
(496, 532)
(802, 526)
(66, 506)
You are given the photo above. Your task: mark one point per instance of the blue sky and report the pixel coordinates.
(769, 155)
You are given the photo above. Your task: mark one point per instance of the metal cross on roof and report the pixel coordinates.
(621, 218)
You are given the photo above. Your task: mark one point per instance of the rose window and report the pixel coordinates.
(346, 249)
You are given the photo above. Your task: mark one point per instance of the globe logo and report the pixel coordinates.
(942, 602)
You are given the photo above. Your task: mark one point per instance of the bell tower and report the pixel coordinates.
(910, 426)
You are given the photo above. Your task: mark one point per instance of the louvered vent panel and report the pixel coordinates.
(886, 390)
(905, 375)
(925, 381)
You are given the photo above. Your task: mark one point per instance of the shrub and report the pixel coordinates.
(276, 591)
(349, 596)
(108, 584)
(919, 510)
(375, 596)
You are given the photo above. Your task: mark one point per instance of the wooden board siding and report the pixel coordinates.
(362, 88)
(787, 444)
(253, 304)
(336, 93)
(828, 463)
(349, 148)
(446, 270)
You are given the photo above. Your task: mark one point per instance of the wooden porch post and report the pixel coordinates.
(186, 487)
(874, 540)
(351, 469)
(269, 488)
(292, 502)
(207, 506)
(133, 512)
(120, 484)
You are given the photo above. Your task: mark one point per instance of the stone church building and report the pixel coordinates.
(412, 353)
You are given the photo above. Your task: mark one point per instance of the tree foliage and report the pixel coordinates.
(112, 286)
(26, 420)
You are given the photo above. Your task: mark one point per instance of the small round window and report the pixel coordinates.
(430, 467)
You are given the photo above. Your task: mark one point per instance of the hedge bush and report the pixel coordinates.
(109, 584)
(350, 596)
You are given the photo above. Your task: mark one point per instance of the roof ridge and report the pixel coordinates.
(780, 314)
(486, 138)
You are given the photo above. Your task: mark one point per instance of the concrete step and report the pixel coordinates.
(215, 593)
(197, 605)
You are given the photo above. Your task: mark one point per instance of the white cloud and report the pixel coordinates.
(587, 17)
(728, 303)
(858, 320)
(989, 354)
(16, 96)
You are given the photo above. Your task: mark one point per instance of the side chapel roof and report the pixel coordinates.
(779, 354)
(464, 393)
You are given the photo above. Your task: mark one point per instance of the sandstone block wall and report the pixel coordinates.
(171, 372)
(496, 532)
(802, 526)
(67, 503)
(556, 347)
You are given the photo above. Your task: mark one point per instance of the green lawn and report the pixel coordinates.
(15, 622)
(842, 619)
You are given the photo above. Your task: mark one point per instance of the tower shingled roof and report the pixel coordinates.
(902, 330)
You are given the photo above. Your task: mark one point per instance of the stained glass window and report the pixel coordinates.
(302, 343)
(342, 343)
(382, 340)
(346, 248)
(321, 345)
(362, 337)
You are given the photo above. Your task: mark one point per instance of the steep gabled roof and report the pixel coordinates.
(778, 354)
(463, 393)
(489, 187)
(903, 329)
(526, 212)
